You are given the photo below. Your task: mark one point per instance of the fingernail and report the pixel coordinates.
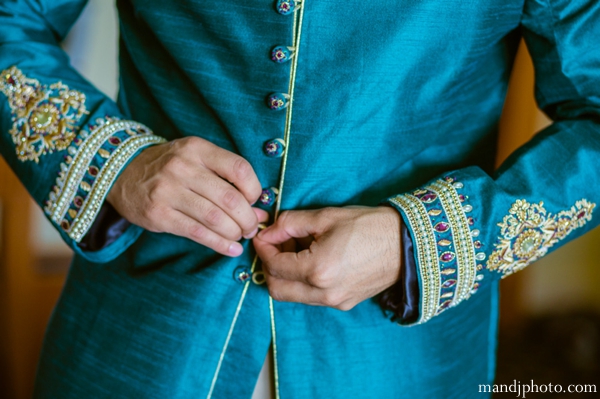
(236, 249)
(251, 235)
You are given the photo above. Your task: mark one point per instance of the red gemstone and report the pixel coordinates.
(471, 221)
(65, 225)
(447, 257)
(93, 170)
(580, 214)
(445, 304)
(461, 198)
(78, 201)
(114, 140)
(477, 244)
(441, 227)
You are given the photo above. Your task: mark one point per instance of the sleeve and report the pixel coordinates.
(63, 138)
(470, 229)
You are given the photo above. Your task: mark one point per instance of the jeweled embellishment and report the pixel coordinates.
(286, 7)
(281, 54)
(44, 116)
(87, 173)
(529, 231)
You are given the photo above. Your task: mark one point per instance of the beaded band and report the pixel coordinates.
(93, 162)
(443, 243)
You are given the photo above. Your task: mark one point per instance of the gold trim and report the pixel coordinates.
(230, 333)
(274, 338)
(297, 35)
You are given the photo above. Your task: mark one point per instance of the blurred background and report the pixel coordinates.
(550, 315)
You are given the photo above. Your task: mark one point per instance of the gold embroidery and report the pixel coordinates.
(529, 231)
(44, 117)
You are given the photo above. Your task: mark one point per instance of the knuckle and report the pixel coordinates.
(213, 216)
(321, 278)
(275, 293)
(316, 280)
(153, 213)
(192, 143)
(175, 165)
(345, 307)
(233, 234)
(332, 299)
(241, 168)
(231, 199)
(283, 218)
(198, 232)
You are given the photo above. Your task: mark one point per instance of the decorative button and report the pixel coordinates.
(268, 196)
(287, 7)
(274, 148)
(242, 274)
(278, 101)
(281, 54)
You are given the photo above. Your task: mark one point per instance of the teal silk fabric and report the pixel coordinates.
(388, 100)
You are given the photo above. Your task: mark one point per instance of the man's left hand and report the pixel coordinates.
(335, 257)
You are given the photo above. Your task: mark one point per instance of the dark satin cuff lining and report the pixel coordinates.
(106, 229)
(402, 299)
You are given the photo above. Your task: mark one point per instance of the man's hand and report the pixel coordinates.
(335, 257)
(191, 188)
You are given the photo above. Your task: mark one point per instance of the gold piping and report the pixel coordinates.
(297, 34)
(230, 333)
(274, 338)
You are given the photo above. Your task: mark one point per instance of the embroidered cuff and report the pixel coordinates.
(529, 231)
(44, 116)
(445, 246)
(93, 162)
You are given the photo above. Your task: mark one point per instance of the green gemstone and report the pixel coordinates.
(528, 244)
(43, 118)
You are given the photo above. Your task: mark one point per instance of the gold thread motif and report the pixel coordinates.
(528, 231)
(44, 116)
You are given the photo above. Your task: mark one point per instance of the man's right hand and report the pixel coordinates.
(191, 188)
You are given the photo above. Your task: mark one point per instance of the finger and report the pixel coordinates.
(293, 291)
(179, 224)
(291, 224)
(262, 215)
(228, 198)
(283, 265)
(234, 169)
(207, 213)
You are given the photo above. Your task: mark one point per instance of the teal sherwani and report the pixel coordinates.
(396, 101)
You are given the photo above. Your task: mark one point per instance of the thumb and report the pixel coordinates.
(291, 224)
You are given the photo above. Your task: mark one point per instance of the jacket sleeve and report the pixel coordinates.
(64, 139)
(470, 229)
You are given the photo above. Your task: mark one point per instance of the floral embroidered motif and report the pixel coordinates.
(447, 258)
(94, 160)
(529, 231)
(44, 117)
